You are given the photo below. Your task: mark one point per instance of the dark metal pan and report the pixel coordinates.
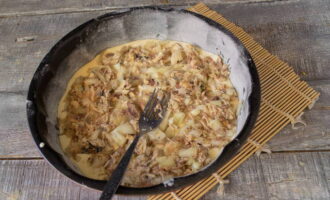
(84, 42)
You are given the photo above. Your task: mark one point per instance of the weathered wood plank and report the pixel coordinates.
(278, 176)
(35, 179)
(247, 182)
(19, 60)
(296, 175)
(316, 135)
(15, 139)
(298, 32)
(325, 164)
(32, 7)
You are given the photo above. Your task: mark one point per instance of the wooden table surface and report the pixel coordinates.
(298, 31)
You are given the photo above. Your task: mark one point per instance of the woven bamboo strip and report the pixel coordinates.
(287, 80)
(279, 109)
(199, 186)
(264, 130)
(284, 97)
(264, 138)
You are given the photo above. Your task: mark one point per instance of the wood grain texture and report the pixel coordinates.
(20, 59)
(15, 138)
(11, 8)
(279, 176)
(298, 32)
(276, 176)
(296, 176)
(316, 135)
(35, 179)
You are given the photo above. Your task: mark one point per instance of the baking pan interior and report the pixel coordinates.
(86, 41)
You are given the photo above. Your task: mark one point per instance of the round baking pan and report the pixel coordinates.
(84, 42)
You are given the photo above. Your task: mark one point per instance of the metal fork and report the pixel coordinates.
(150, 118)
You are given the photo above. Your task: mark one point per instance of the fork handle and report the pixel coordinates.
(112, 184)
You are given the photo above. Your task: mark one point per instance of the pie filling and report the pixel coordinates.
(99, 111)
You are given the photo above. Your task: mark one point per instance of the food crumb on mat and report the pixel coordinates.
(42, 145)
(25, 39)
(169, 182)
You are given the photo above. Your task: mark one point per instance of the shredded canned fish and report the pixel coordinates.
(99, 111)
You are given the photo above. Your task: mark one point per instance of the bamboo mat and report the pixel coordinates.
(283, 98)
